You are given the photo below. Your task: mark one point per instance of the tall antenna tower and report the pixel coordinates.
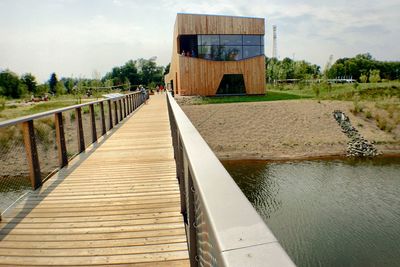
(274, 44)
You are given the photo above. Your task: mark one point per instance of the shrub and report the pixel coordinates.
(368, 114)
(363, 78)
(358, 108)
(2, 103)
(383, 124)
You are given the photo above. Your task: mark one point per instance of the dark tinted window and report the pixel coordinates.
(231, 39)
(231, 84)
(251, 39)
(251, 51)
(229, 47)
(209, 40)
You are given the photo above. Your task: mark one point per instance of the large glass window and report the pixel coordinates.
(231, 39)
(251, 51)
(209, 40)
(230, 47)
(252, 39)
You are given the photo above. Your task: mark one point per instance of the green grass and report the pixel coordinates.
(269, 96)
(15, 111)
(347, 92)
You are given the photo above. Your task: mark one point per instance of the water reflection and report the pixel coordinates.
(328, 213)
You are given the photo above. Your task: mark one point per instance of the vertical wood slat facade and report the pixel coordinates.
(196, 76)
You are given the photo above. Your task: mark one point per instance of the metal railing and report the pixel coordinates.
(34, 147)
(222, 227)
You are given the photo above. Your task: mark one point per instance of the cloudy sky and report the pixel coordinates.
(80, 37)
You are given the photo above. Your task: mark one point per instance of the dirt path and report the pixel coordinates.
(282, 129)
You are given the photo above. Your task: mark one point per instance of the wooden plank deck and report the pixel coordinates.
(117, 204)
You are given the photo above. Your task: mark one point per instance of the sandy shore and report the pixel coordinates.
(279, 130)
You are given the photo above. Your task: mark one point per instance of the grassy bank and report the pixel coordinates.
(319, 91)
(269, 96)
(19, 108)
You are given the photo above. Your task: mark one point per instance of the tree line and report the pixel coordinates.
(133, 73)
(362, 68)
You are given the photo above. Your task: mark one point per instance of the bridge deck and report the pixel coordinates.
(116, 204)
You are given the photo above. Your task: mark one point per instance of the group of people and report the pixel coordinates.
(188, 53)
(145, 94)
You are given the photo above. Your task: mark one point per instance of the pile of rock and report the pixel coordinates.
(358, 146)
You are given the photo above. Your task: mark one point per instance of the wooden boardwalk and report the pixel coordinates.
(117, 204)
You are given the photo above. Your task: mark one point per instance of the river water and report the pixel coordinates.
(328, 213)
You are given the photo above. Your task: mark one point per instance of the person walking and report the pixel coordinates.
(143, 92)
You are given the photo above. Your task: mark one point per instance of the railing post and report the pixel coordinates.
(116, 112)
(120, 109)
(110, 114)
(60, 136)
(31, 154)
(129, 104)
(125, 111)
(93, 123)
(79, 129)
(103, 119)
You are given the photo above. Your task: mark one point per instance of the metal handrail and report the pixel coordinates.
(53, 111)
(223, 228)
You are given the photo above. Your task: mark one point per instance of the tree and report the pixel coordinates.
(68, 84)
(140, 71)
(363, 78)
(10, 84)
(374, 76)
(60, 88)
(166, 69)
(53, 83)
(30, 81)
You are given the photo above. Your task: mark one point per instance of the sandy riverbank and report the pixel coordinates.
(279, 130)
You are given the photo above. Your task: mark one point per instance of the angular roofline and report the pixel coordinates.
(194, 14)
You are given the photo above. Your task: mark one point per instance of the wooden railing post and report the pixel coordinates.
(116, 112)
(93, 123)
(103, 119)
(110, 120)
(129, 104)
(120, 109)
(31, 154)
(60, 137)
(125, 111)
(79, 129)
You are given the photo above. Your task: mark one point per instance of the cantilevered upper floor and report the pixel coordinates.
(217, 55)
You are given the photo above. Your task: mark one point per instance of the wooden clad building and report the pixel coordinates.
(217, 55)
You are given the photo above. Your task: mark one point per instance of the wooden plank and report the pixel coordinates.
(141, 241)
(92, 237)
(94, 260)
